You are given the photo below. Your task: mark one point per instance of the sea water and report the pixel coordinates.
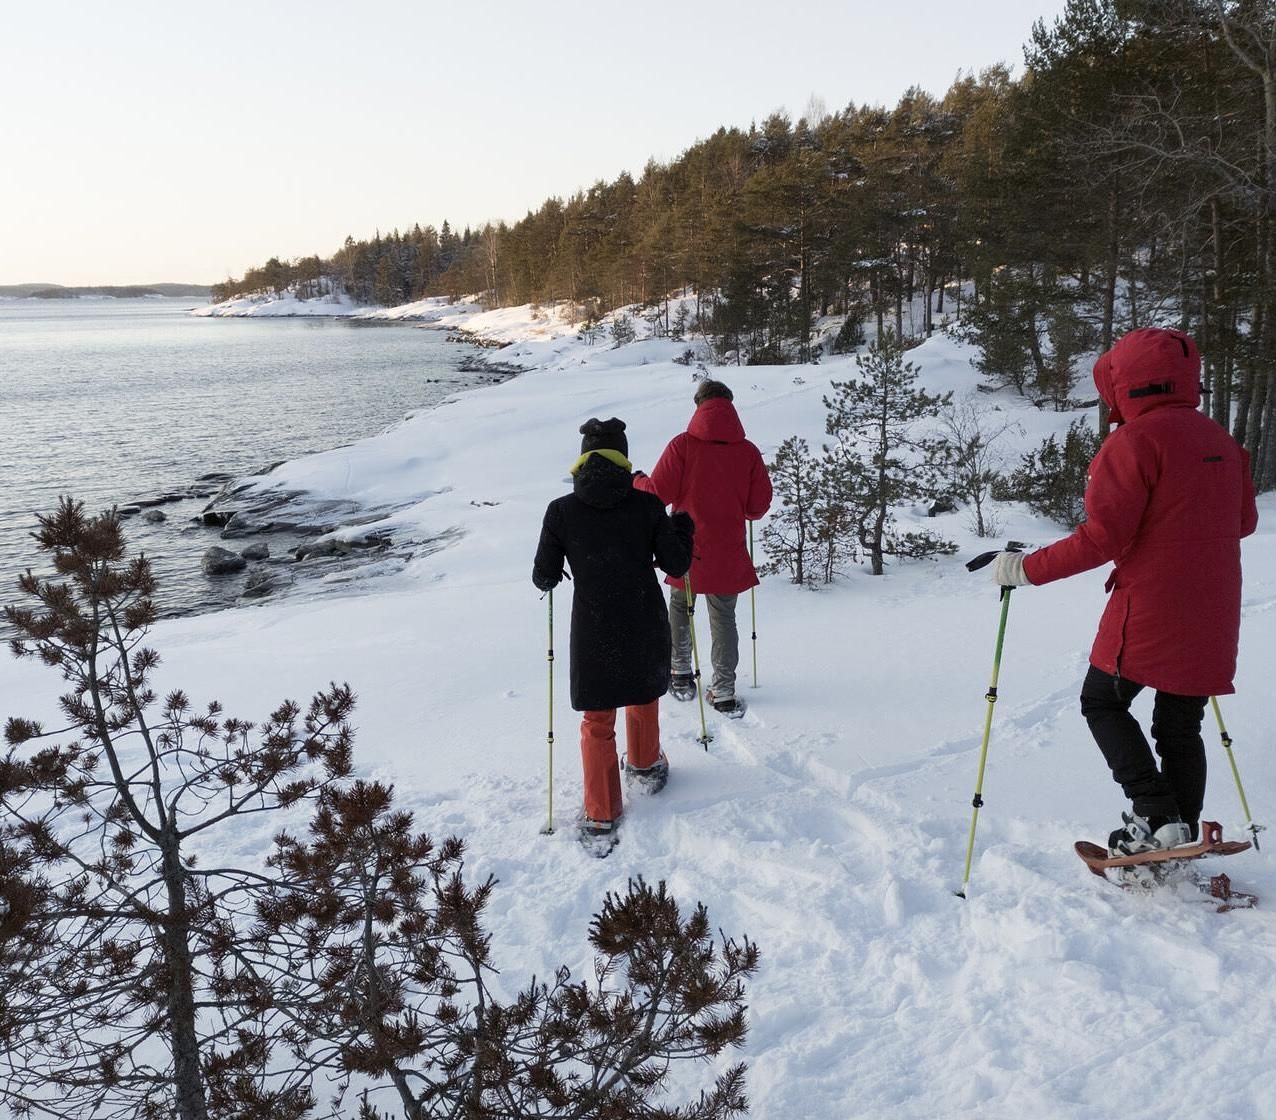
(120, 401)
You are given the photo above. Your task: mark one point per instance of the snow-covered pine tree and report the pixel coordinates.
(886, 455)
(393, 983)
(810, 532)
(1051, 479)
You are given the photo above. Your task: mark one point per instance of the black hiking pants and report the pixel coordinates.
(1178, 787)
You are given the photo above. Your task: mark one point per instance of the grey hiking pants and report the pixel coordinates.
(724, 654)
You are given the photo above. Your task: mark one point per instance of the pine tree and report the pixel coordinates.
(789, 535)
(885, 454)
(138, 980)
(1051, 480)
(124, 987)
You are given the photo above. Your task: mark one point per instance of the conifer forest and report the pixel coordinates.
(1125, 179)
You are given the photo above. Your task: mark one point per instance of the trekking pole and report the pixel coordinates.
(704, 738)
(549, 824)
(1254, 829)
(991, 696)
(753, 604)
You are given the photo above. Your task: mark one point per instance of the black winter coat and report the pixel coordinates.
(609, 533)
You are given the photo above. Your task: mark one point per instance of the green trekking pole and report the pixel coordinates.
(549, 824)
(991, 696)
(753, 605)
(1254, 829)
(704, 738)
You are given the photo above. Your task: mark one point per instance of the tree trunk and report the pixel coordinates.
(188, 1077)
(1265, 468)
(1260, 437)
(899, 307)
(883, 504)
(1245, 392)
(1134, 293)
(878, 566)
(1220, 373)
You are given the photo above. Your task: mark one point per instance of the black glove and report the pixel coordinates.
(545, 581)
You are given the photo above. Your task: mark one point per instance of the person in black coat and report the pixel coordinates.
(609, 534)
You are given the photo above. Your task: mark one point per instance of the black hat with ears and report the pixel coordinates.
(604, 435)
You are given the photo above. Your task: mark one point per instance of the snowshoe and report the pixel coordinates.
(648, 779)
(730, 706)
(1157, 868)
(598, 838)
(683, 686)
(1180, 879)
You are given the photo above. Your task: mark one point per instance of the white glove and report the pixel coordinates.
(1007, 570)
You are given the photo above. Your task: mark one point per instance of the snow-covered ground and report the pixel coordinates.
(501, 325)
(830, 824)
(286, 304)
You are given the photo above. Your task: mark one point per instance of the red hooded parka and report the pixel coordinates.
(713, 473)
(1168, 499)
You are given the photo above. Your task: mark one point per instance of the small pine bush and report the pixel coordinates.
(1052, 479)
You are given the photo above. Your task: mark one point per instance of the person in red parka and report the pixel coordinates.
(717, 476)
(1168, 500)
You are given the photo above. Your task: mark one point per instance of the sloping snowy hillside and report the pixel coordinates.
(830, 823)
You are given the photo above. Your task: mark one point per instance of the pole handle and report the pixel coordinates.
(986, 558)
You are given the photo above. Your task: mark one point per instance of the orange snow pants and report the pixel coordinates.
(598, 754)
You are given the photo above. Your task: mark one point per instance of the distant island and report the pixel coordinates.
(117, 291)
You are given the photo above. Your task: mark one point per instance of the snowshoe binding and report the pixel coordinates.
(1148, 834)
(730, 706)
(598, 838)
(648, 779)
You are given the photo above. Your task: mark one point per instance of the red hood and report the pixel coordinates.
(1147, 369)
(716, 420)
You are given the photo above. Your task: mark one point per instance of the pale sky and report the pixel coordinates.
(145, 141)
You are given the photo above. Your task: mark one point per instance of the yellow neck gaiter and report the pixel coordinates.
(608, 454)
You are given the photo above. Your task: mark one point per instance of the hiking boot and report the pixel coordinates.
(683, 686)
(649, 779)
(1148, 834)
(730, 706)
(597, 837)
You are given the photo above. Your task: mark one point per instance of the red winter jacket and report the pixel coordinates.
(713, 473)
(1168, 499)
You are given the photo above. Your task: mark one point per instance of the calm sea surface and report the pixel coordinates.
(120, 401)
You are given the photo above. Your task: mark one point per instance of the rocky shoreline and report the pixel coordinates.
(291, 539)
(264, 543)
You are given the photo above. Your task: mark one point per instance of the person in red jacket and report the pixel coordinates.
(717, 476)
(1168, 500)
